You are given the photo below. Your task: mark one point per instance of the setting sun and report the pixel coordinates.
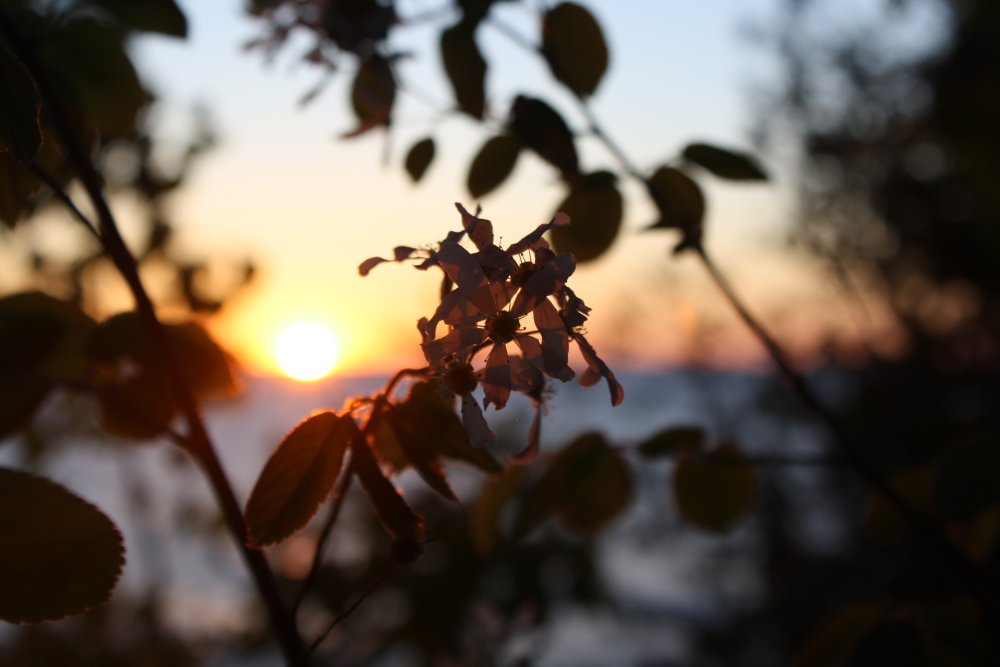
(306, 351)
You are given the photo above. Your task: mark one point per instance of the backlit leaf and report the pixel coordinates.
(726, 163)
(138, 407)
(20, 134)
(671, 441)
(574, 46)
(160, 16)
(298, 477)
(208, 369)
(59, 555)
(715, 489)
(419, 157)
(392, 511)
(540, 127)
(466, 68)
(680, 203)
(594, 207)
(493, 164)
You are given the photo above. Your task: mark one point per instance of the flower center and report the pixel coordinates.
(524, 271)
(501, 329)
(460, 378)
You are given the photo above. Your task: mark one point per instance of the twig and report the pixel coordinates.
(64, 197)
(387, 569)
(338, 501)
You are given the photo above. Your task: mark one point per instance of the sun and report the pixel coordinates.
(306, 351)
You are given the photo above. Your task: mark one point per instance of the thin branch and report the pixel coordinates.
(513, 35)
(387, 569)
(64, 198)
(338, 501)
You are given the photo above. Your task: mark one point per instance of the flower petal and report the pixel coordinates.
(597, 369)
(555, 341)
(529, 453)
(480, 231)
(545, 282)
(574, 311)
(467, 275)
(496, 377)
(480, 434)
(400, 253)
(534, 239)
(453, 342)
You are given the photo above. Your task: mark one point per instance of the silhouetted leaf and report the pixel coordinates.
(466, 68)
(207, 368)
(679, 201)
(587, 484)
(715, 489)
(968, 480)
(594, 207)
(540, 127)
(161, 16)
(18, 185)
(493, 164)
(59, 555)
(831, 643)
(97, 74)
(20, 396)
(373, 95)
(671, 441)
(419, 157)
(20, 134)
(298, 477)
(138, 407)
(485, 516)
(43, 336)
(726, 163)
(574, 46)
(396, 516)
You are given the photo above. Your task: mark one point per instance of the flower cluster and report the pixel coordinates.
(486, 299)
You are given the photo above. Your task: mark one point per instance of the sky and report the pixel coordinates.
(283, 188)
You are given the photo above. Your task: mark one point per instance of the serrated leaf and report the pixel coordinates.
(373, 94)
(594, 207)
(726, 163)
(540, 127)
(587, 484)
(574, 47)
(680, 203)
(59, 555)
(160, 16)
(298, 477)
(465, 67)
(419, 157)
(20, 133)
(671, 441)
(493, 164)
(396, 517)
(714, 490)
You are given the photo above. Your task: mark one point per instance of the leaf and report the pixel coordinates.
(18, 185)
(679, 201)
(594, 207)
(419, 157)
(392, 511)
(19, 398)
(48, 335)
(484, 518)
(574, 47)
(587, 484)
(832, 642)
(715, 489)
(540, 127)
(59, 555)
(298, 477)
(373, 95)
(492, 165)
(671, 441)
(20, 132)
(138, 407)
(208, 369)
(97, 74)
(466, 68)
(160, 16)
(893, 641)
(726, 163)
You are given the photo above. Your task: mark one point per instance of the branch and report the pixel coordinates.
(64, 198)
(387, 569)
